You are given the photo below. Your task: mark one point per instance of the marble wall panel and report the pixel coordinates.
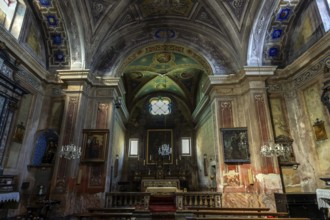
(248, 200)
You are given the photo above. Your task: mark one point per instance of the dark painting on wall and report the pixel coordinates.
(235, 145)
(95, 142)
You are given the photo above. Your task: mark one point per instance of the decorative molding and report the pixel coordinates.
(22, 54)
(258, 32)
(29, 79)
(237, 10)
(53, 24)
(204, 17)
(259, 70)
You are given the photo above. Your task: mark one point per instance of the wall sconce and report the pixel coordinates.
(118, 102)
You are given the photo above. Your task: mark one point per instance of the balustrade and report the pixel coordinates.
(198, 199)
(140, 200)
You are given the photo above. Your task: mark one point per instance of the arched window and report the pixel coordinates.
(11, 16)
(160, 105)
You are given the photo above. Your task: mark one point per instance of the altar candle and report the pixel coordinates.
(144, 162)
(176, 161)
(79, 176)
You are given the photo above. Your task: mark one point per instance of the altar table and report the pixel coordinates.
(162, 190)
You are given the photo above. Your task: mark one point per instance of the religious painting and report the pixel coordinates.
(96, 176)
(159, 146)
(235, 145)
(94, 145)
(319, 130)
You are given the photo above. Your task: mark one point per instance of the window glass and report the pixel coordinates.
(160, 106)
(185, 146)
(133, 147)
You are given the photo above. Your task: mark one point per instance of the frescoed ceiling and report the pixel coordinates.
(163, 46)
(163, 72)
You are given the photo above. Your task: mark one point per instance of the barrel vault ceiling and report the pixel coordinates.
(160, 46)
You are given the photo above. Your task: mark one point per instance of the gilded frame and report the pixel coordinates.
(95, 145)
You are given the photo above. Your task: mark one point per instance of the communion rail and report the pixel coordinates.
(138, 200)
(184, 200)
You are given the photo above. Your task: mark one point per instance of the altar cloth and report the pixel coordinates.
(162, 190)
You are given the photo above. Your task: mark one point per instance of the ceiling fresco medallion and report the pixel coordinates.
(166, 7)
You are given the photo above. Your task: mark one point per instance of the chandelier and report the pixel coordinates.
(275, 149)
(70, 151)
(164, 150)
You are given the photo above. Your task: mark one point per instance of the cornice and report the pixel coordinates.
(23, 55)
(317, 51)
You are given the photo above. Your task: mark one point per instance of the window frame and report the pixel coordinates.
(130, 141)
(189, 147)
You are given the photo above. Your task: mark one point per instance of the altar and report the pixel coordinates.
(153, 185)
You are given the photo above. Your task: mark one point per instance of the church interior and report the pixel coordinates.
(160, 109)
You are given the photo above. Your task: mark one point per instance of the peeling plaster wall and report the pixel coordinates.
(205, 145)
(315, 110)
(117, 148)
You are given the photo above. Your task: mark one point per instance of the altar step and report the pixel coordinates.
(162, 204)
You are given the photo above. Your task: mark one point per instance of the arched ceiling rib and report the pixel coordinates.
(106, 36)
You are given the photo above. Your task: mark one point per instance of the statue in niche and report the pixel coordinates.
(50, 152)
(213, 179)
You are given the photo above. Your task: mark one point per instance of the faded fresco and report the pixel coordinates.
(205, 146)
(307, 30)
(279, 119)
(315, 110)
(33, 41)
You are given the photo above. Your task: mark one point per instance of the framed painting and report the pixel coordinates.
(235, 145)
(95, 142)
(96, 176)
(159, 146)
(319, 130)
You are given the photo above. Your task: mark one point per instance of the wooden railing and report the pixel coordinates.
(140, 200)
(197, 199)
